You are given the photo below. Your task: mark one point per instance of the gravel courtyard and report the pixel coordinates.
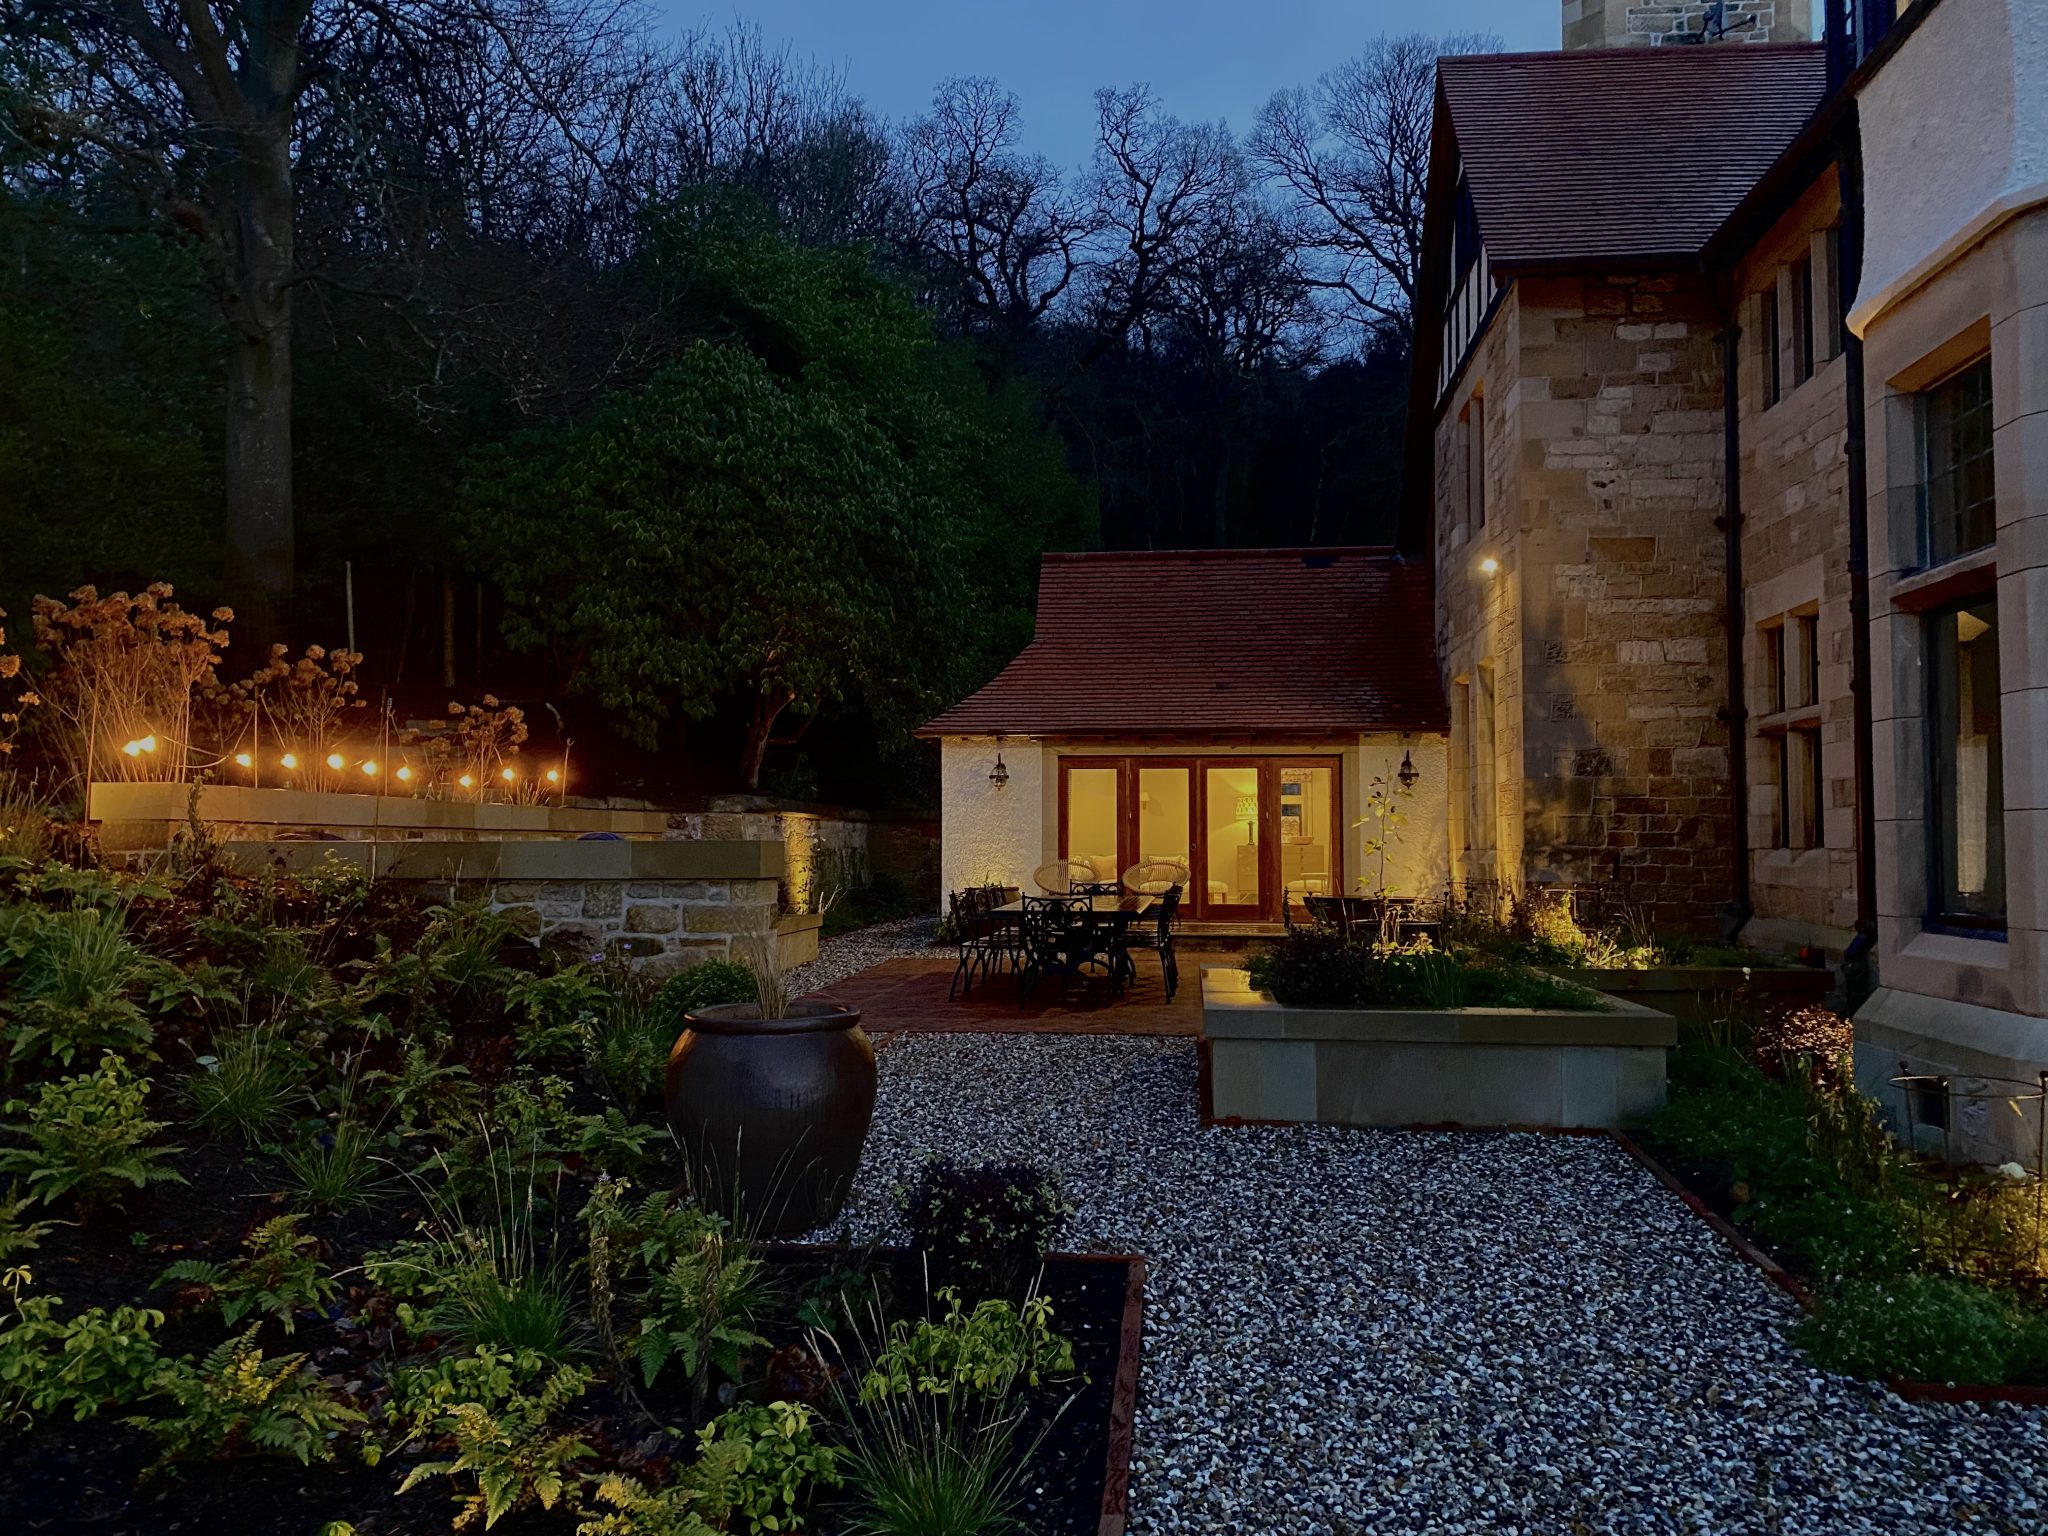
(1354, 1332)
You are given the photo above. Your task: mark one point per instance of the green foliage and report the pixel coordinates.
(699, 1308)
(79, 1366)
(922, 1465)
(244, 1088)
(1928, 1328)
(89, 1135)
(1320, 968)
(782, 1460)
(555, 1013)
(984, 1229)
(488, 1377)
(637, 1510)
(235, 1400)
(336, 1168)
(986, 1351)
(18, 1234)
(703, 985)
(512, 1450)
(278, 1274)
(74, 984)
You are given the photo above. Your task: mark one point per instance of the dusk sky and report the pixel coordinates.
(1206, 59)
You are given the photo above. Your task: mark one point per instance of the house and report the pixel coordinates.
(1232, 709)
(1727, 444)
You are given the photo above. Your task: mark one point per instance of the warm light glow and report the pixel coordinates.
(369, 770)
(404, 775)
(554, 776)
(1489, 566)
(132, 748)
(289, 760)
(336, 760)
(466, 782)
(149, 743)
(244, 760)
(505, 774)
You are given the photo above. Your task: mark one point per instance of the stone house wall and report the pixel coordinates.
(1795, 558)
(1604, 619)
(1630, 24)
(661, 925)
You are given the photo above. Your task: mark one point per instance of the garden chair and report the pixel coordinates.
(1065, 877)
(1157, 936)
(974, 931)
(1064, 935)
(1155, 877)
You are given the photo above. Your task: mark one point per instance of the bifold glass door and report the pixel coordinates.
(1252, 832)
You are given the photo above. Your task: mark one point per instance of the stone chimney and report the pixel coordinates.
(1630, 24)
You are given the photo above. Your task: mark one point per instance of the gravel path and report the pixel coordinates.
(1351, 1332)
(851, 953)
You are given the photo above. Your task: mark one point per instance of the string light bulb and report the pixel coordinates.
(244, 760)
(289, 761)
(466, 782)
(336, 761)
(505, 774)
(370, 769)
(404, 775)
(132, 748)
(554, 775)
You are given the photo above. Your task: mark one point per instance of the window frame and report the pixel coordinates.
(1942, 872)
(1933, 551)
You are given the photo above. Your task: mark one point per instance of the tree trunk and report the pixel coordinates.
(258, 461)
(768, 708)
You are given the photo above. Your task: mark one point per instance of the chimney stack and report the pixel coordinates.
(1631, 24)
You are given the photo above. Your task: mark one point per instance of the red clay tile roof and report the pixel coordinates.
(1240, 642)
(1607, 155)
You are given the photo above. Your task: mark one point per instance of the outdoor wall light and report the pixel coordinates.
(1408, 774)
(1489, 566)
(1000, 774)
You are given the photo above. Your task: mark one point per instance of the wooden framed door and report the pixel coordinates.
(1234, 825)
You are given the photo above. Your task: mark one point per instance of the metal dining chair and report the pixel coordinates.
(1156, 934)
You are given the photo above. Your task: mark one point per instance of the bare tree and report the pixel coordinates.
(1353, 152)
(997, 227)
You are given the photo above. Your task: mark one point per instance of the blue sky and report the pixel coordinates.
(1206, 59)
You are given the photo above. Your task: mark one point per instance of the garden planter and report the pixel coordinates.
(1700, 994)
(770, 1114)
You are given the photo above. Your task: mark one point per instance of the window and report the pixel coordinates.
(1959, 507)
(1475, 473)
(1773, 377)
(1802, 320)
(1800, 789)
(1966, 778)
(1806, 658)
(1828, 343)
(1774, 669)
(1480, 833)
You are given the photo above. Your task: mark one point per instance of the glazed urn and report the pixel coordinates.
(770, 1114)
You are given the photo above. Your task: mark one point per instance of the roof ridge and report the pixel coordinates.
(1588, 55)
(1275, 551)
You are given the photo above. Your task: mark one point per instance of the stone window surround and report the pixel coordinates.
(1819, 253)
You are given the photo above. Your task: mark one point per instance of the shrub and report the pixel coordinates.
(704, 985)
(699, 1309)
(81, 1366)
(89, 1135)
(1319, 968)
(1927, 1327)
(278, 1275)
(771, 1482)
(986, 1352)
(984, 1230)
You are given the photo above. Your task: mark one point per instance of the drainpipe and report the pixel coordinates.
(1859, 960)
(1738, 911)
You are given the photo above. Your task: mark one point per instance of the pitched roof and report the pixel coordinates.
(1257, 642)
(1623, 154)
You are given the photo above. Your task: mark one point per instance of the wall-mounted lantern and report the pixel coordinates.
(1409, 773)
(1000, 774)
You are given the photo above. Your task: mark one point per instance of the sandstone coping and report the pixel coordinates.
(144, 815)
(554, 860)
(1593, 1068)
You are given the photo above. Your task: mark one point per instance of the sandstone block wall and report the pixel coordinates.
(1604, 623)
(662, 925)
(1628, 24)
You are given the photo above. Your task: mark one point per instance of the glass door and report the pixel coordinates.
(1091, 816)
(1311, 856)
(1231, 878)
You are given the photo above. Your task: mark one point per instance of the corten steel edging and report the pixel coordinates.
(1123, 1396)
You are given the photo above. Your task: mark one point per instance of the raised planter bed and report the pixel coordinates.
(1696, 994)
(1589, 1068)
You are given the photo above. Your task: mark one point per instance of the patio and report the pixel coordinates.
(911, 996)
(1351, 1331)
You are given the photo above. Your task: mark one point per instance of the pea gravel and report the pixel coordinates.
(1368, 1331)
(848, 954)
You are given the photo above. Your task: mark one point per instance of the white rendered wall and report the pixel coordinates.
(1955, 141)
(989, 835)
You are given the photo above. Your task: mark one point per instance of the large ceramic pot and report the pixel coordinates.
(770, 1114)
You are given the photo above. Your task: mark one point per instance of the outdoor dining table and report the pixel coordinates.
(1121, 910)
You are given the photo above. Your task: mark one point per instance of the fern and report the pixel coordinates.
(235, 1399)
(278, 1275)
(513, 1453)
(89, 1133)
